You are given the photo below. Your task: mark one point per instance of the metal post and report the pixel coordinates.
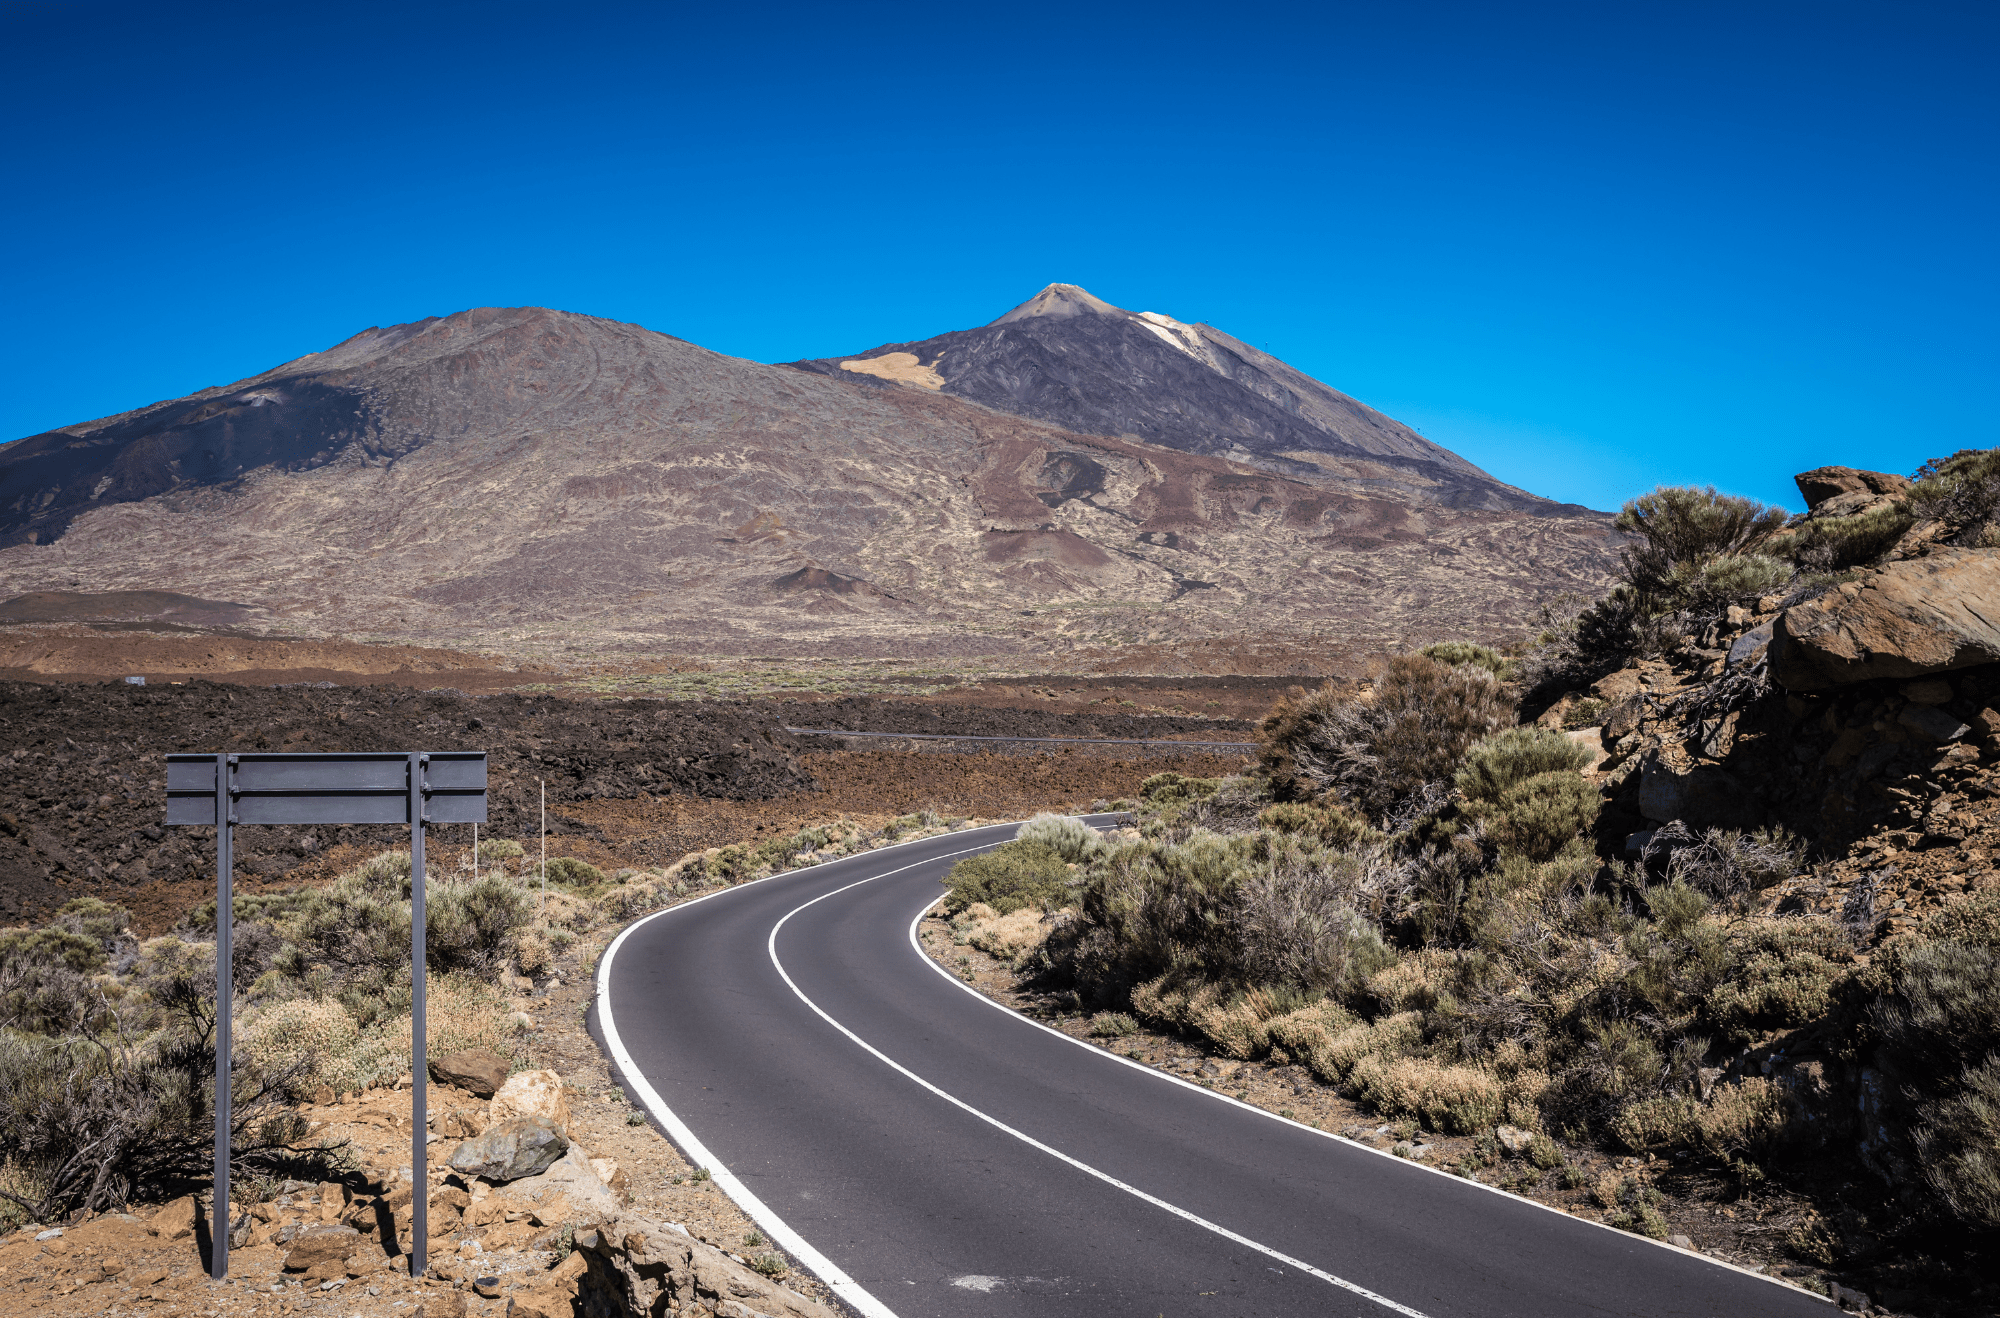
(225, 992)
(545, 843)
(420, 1190)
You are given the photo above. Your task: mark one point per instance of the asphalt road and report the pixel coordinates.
(929, 1153)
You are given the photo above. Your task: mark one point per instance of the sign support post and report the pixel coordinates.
(225, 1000)
(413, 787)
(419, 1068)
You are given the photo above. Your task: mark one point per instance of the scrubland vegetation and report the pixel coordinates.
(107, 1044)
(1404, 897)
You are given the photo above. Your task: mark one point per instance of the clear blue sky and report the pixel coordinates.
(1592, 247)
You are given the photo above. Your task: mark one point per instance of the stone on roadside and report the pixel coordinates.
(475, 1070)
(1514, 1139)
(532, 1094)
(176, 1220)
(321, 1244)
(511, 1149)
(571, 1177)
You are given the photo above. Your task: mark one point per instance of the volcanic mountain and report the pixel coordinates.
(530, 482)
(1077, 362)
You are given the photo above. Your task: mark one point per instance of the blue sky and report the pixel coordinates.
(1591, 247)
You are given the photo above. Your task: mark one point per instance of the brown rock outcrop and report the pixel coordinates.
(475, 1070)
(1823, 483)
(1908, 619)
(640, 1267)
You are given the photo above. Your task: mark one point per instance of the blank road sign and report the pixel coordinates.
(334, 788)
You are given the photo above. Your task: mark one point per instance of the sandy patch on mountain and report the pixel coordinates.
(902, 367)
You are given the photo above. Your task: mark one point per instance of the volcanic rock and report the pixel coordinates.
(1824, 483)
(532, 1094)
(1907, 619)
(511, 1149)
(474, 1070)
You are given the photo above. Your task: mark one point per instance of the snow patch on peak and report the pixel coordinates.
(1184, 337)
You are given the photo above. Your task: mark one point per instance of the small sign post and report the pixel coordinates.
(413, 787)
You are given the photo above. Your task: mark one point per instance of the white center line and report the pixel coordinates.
(771, 945)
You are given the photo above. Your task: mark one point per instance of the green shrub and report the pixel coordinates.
(1586, 713)
(1786, 974)
(1327, 822)
(1957, 1143)
(1513, 756)
(1537, 818)
(1698, 546)
(1454, 653)
(495, 850)
(1961, 491)
(1071, 839)
(1389, 755)
(1009, 878)
(1832, 544)
(1166, 789)
(576, 873)
(1112, 1025)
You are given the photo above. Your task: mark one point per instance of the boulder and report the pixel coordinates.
(322, 1245)
(511, 1149)
(1701, 797)
(1909, 619)
(474, 1070)
(1750, 648)
(1514, 1139)
(1931, 723)
(531, 1094)
(570, 1177)
(1823, 483)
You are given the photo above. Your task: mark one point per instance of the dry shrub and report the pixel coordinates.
(1830, 544)
(1391, 1036)
(1459, 1100)
(1787, 974)
(1002, 936)
(1306, 1035)
(317, 1032)
(459, 1012)
(1724, 864)
(1418, 982)
(1392, 751)
(1962, 491)
(532, 953)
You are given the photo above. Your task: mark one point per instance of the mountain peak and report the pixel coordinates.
(1059, 300)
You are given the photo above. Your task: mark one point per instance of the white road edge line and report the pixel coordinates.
(836, 1278)
(771, 945)
(1171, 1078)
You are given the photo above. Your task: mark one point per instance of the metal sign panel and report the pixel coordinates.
(373, 787)
(333, 788)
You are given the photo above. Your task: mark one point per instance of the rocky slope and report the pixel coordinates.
(546, 484)
(1078, 362)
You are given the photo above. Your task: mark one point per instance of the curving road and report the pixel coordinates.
(930, 1153)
